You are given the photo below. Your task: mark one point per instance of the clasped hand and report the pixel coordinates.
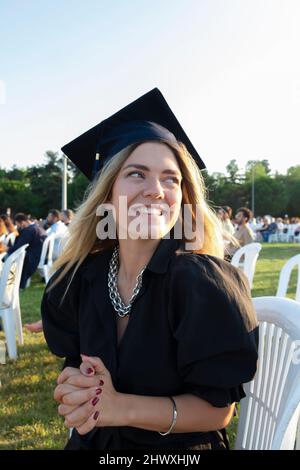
(87, 396)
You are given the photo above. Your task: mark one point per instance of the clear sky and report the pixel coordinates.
(229, 69)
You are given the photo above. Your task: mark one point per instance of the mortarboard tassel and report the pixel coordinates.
(96, 166)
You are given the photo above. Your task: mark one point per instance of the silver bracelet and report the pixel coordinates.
(174, 418)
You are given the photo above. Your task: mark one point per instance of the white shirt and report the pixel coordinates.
(59, 230)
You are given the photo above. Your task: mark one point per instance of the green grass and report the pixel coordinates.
(28, 413)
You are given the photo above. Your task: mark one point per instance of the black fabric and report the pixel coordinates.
(34, 236)
(192, 329)
(147, 118)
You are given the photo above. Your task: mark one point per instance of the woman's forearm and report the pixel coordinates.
(156, 413)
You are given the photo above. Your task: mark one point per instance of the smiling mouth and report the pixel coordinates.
(149, 211)
(144, 210)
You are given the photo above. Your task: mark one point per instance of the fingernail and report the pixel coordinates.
(95, 401)
(98, 391)
(89, 370)
(96, 415)
(101, 382)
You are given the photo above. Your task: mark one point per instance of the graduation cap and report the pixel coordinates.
(147, 118)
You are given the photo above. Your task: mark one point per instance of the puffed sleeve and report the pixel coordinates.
(215, 327)
(60, 318)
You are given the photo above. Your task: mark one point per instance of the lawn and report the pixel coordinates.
(28, 413)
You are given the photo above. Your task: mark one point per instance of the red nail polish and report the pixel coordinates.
(89, 370)
(96, 415)
(95, 401)
(101, 382)
(98, 391)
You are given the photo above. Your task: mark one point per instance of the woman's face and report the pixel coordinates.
(147, 192)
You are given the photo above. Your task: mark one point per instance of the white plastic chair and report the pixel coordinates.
(250, 253)
(273, 237)
(288, 236)
(59, 244)
(44, 266)
(270, 412)
(10, 311)
(285, 275)
(297, 237)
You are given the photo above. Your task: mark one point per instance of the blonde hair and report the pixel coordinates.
(83, 239)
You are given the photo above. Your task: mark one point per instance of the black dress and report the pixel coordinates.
(192, 329)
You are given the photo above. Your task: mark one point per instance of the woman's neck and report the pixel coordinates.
(134, 256)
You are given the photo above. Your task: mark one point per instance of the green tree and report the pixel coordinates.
(259, 167)
(46, 183)
(76, 190)
(16, 195)
(271, 196)
(293, 187)
(233, 171)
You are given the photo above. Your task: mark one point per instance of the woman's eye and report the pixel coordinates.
(169, 179)
(173, 179)
(135, 173)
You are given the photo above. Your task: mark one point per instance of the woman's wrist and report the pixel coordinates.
(126, 409)
(120, 415)
(145, 412)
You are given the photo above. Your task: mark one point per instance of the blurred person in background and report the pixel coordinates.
(11, 233)
(264, 231)
(56, 228)
(66, 216)
(227, 224)
(34, 236)
(243, 233)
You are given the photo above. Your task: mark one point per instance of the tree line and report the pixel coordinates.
(37, 188)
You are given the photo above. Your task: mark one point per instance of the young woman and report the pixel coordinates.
(158, 340)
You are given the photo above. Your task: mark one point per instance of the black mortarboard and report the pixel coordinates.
(137, 122)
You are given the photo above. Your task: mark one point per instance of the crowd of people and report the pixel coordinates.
(28, 230)
(243, 228)
(174, 378)
(238, 231)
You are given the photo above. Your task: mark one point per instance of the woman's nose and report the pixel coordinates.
(154, 189)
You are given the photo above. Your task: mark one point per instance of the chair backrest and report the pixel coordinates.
(250, 254)
(290, 233)
(270, 411)
(285, 275)
(11, 275)
(47, 252)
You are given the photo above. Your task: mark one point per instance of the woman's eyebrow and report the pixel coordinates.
(136, 165)
(145, 168)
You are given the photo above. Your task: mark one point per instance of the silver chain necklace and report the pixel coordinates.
(118, 304)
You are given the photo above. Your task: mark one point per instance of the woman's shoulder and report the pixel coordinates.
(204, 267)
(73, 278)
(91, 261)
(211, 278)
(205, 282)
